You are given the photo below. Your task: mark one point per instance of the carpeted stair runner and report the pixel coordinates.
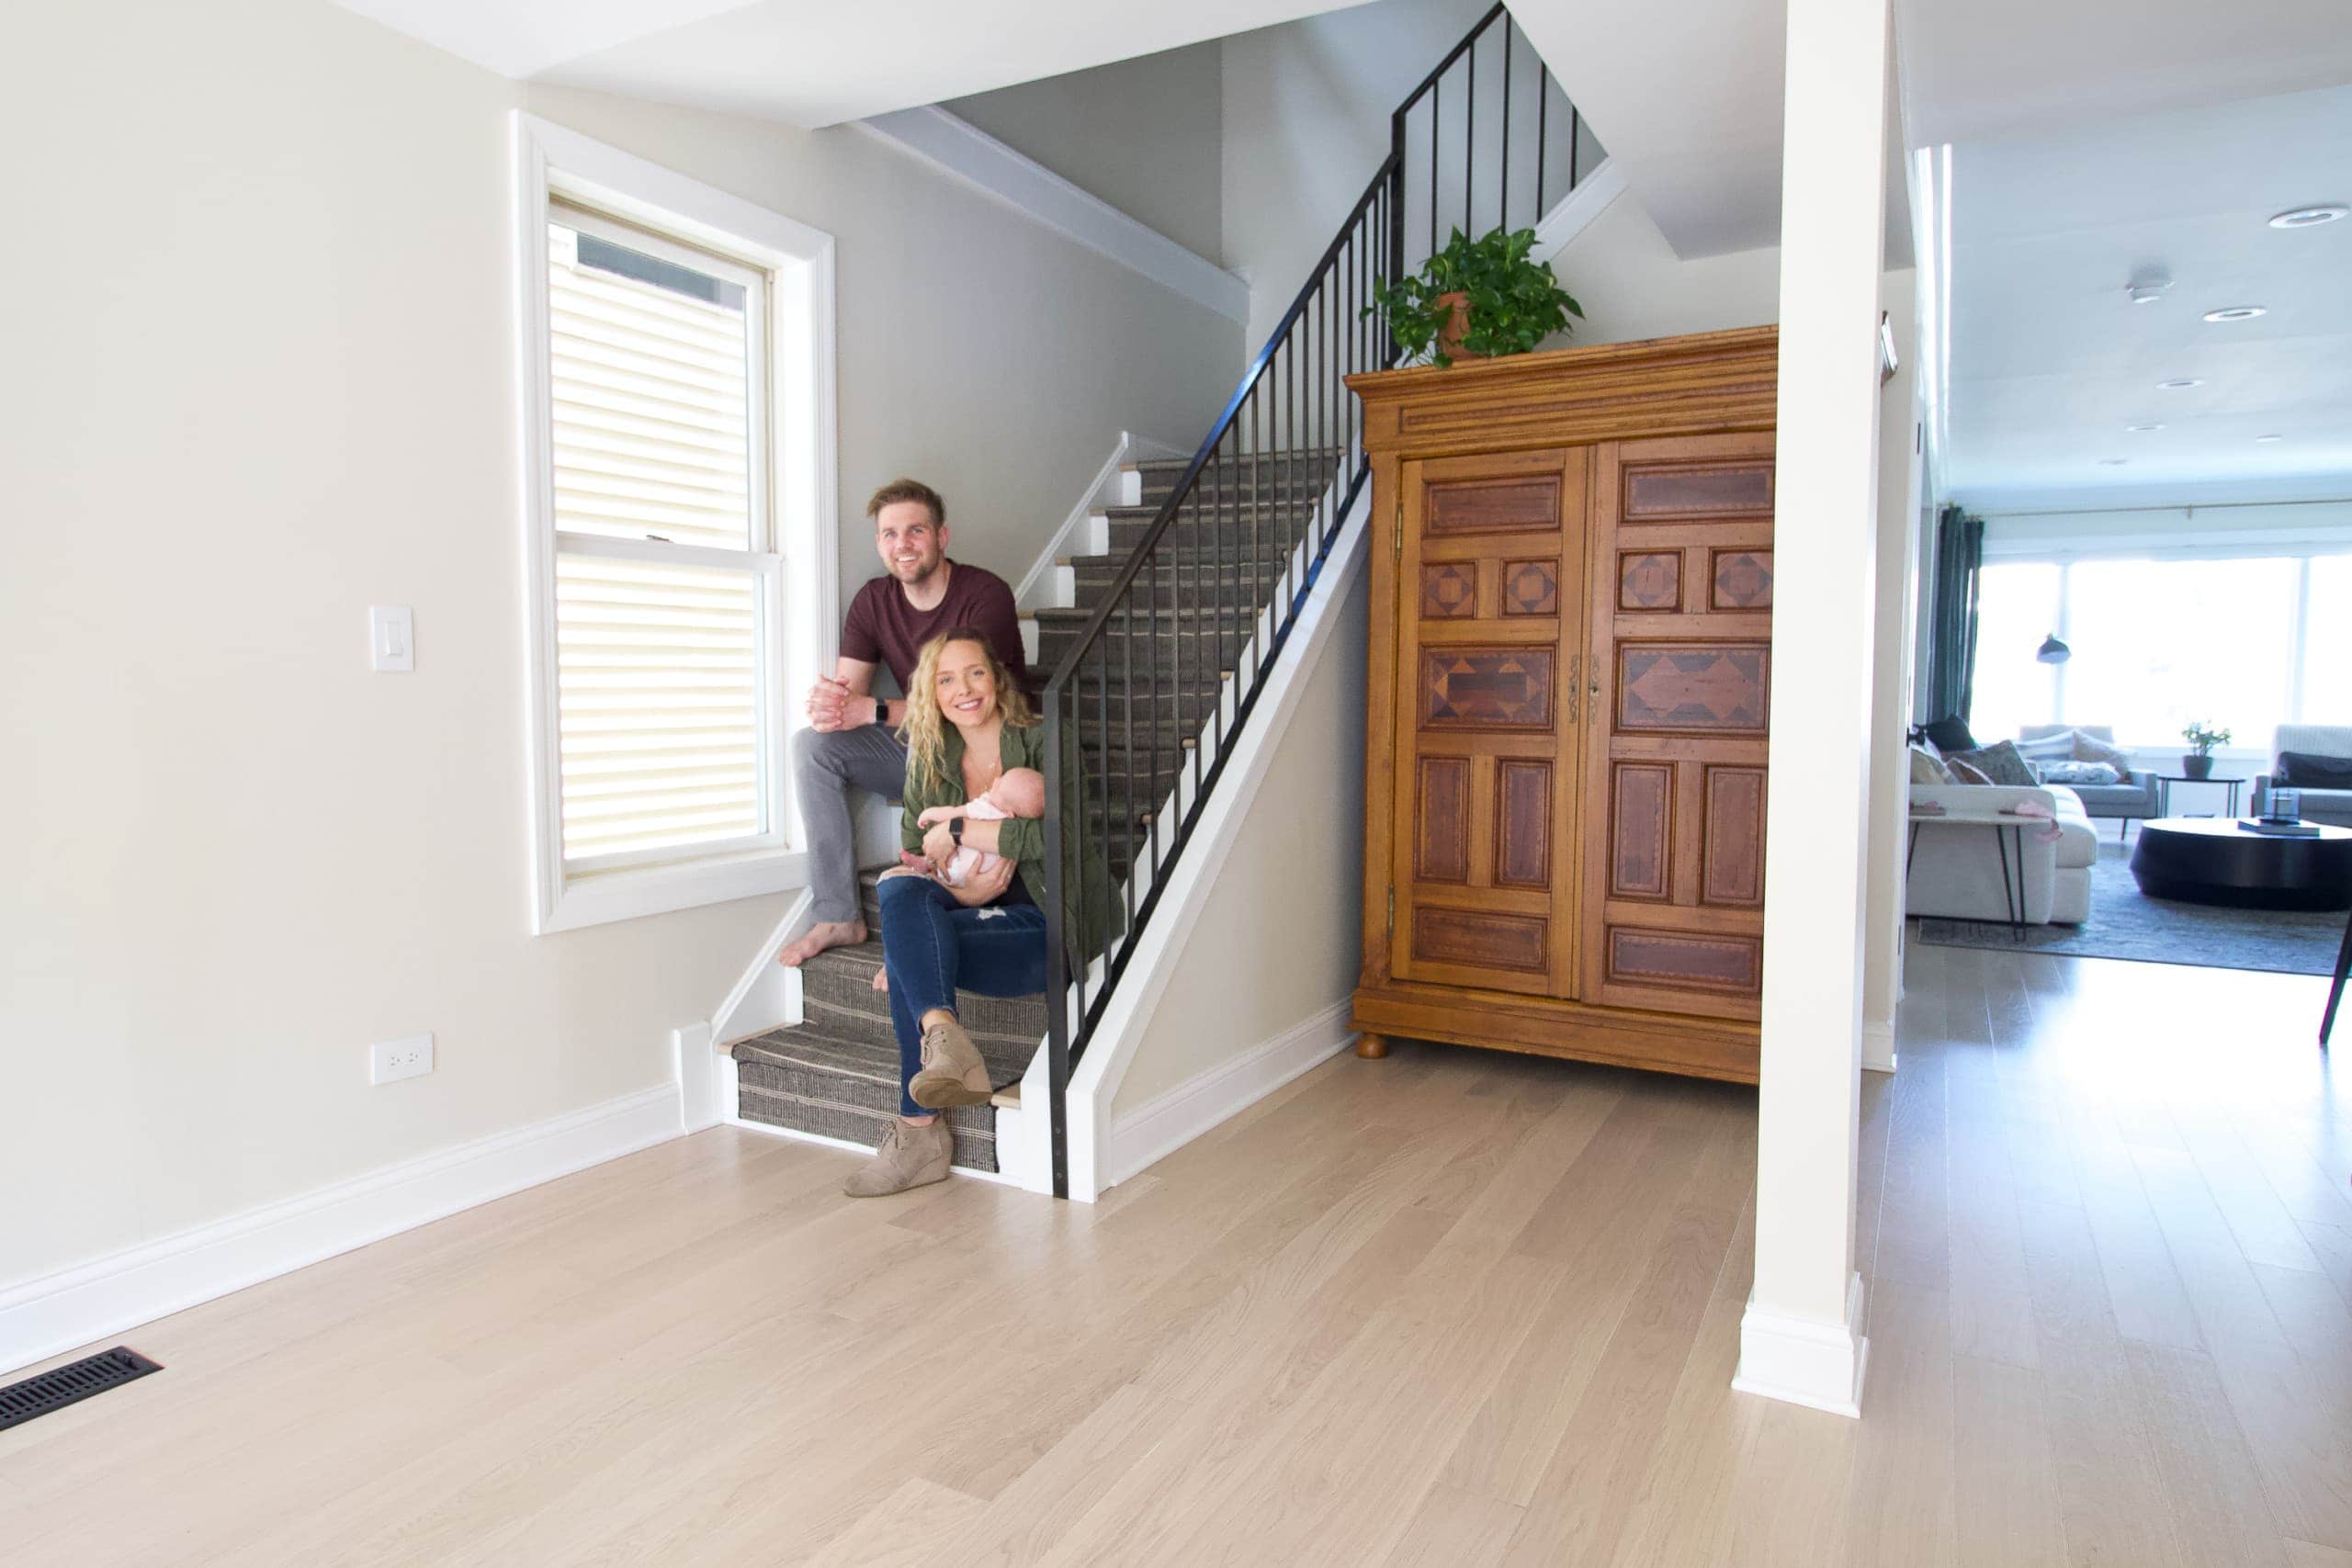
(1159, 676)
(837, 1072)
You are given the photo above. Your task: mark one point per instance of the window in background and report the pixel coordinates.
(2017, 606)
(2245, 644)
(2160, 642)
(2326, 689)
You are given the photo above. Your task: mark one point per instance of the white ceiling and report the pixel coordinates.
(805, 64)
(2050, 360)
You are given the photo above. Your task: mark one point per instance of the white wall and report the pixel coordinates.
(1899, 515)
(259, 378)
(1633, 286)
(1145, 135)
(1278, 939)
(1306, 109)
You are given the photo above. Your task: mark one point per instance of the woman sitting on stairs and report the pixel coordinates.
(967, 724)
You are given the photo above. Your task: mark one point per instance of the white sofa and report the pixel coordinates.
(1956, 873)
(2329, 806)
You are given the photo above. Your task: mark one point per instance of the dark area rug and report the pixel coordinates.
(2127, 923)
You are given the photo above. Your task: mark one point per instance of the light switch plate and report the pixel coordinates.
(389, 1061)
(392, 638)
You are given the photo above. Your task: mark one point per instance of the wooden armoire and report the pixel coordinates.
(1571, 664)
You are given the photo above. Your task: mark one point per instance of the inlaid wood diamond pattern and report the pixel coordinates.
(1743, 579)
(1449, 589)
(1487, 688)
(1530, 588)
(1692, 687)
(1649, 580)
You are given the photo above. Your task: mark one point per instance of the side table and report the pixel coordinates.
(2166, 780)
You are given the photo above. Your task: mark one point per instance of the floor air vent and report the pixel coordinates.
(60, 1386)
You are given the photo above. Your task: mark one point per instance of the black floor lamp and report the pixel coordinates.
(2335, 987)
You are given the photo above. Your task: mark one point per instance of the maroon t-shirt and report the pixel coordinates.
(883, 628)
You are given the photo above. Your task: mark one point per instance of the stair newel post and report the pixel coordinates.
(1058, 978)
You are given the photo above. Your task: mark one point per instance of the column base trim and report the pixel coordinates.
(1802, 1361)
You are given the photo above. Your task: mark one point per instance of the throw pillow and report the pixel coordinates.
(1951, 734)
(2091, 749)
(2000, 763)
(1927, 768)
(1967, 772)
(2058, 748)
(2079, 773)
(2312, 769)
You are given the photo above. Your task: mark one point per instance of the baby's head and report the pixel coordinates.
(1019, 791)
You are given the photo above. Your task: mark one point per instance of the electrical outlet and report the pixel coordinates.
(389, 1061)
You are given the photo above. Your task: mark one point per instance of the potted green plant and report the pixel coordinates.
(1476, 299)
(2201, 738)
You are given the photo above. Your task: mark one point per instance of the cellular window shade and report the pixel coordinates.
(657, 664)
(651, 405)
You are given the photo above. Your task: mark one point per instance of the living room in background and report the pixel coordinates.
(677, 368)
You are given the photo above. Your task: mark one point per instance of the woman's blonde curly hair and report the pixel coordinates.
(925, 728)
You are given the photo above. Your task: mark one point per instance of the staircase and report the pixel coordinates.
(835, 1074)
(1159, 659)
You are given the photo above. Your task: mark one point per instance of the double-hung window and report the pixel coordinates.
(677, 454)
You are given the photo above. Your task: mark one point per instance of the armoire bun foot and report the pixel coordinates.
(1372, 1047)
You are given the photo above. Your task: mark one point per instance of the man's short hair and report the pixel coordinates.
(897, 490)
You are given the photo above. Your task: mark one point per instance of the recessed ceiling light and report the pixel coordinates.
(2234, 313)
(2137, 429)
(2112, 462)
(2179, 383)
(2304, 216)
(2270, 438)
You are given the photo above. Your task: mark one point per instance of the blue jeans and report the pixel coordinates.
(931, 945)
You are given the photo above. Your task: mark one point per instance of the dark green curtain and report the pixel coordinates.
(1951, 640)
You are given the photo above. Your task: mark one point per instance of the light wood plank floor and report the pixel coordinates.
(1451, 1308)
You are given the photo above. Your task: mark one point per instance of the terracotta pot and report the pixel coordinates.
(1457, 325)
(2197, 767)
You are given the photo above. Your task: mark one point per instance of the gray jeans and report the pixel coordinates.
(824, 766)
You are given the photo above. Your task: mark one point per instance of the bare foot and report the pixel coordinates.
(820, 936)
(881, 979)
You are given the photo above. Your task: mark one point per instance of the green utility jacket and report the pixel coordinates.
(1022, 839)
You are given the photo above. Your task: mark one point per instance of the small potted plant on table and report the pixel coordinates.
(1476, 299)
(2201, 738)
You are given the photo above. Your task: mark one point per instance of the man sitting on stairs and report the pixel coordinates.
(852, 736)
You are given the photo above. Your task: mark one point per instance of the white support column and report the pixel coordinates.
(1900, 463)
(1801, 1338)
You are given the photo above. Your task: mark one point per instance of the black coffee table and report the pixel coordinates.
(2209, 860)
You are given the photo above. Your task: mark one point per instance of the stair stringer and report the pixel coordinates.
(1095, 1163)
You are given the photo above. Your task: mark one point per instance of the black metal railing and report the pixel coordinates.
(1162, 677)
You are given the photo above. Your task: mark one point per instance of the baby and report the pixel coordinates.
(1019, 791)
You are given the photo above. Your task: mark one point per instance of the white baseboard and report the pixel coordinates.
(1084, 532)
(1149, 1133)
(43, 1317)
(1802, 1361)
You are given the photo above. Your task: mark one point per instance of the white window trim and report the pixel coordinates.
(803, 588)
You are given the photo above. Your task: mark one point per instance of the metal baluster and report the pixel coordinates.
(1127, 714)
(1057, 1019)
(1470, 144)
(1437, 105)
(1503, 191)
(1542, 104)
(1576, 139)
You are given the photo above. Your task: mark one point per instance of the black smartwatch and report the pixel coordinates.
(956, 829)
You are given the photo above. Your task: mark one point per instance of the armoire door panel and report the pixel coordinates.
(1523, 807)
(1490, 577)
(1741, 579)
(1640, 829)
(1731, 853)
(1649, 582)
(1710, 688)
(1442, 843)
(1656, 492)
(1680, 636)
